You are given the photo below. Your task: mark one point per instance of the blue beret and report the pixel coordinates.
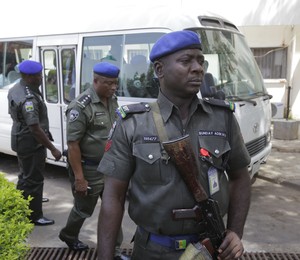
(106, 69)
(174, 41)
(30, 67)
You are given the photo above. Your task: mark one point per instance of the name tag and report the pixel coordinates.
(212, 133)
(150, 139)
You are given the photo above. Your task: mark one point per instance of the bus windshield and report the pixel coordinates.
(230, 66)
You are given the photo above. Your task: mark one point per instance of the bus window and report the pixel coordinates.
(130, 53)
(234, 70)
(50, 72)
(96, 49)
(69, 75)
(138, 72)
(11, 54)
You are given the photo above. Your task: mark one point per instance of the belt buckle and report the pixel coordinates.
(180, 244)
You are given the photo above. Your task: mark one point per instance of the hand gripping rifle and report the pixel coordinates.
(206, 210)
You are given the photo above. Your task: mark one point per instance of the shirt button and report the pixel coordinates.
(217, 151)
(150, 156)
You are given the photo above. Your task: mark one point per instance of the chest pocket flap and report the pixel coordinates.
(148, 152)
(215, 146)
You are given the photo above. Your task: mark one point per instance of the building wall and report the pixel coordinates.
(280, 36)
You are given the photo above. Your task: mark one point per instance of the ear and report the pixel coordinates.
(158, 68)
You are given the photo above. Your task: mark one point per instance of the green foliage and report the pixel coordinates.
(15, 225)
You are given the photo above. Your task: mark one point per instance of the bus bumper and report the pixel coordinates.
(258, 159)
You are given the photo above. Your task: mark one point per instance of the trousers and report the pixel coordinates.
(31, 179)
(84, 206)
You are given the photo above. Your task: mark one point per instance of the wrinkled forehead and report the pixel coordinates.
(188, 53)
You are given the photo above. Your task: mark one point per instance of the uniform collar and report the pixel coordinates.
(166, 106)
(94, 97)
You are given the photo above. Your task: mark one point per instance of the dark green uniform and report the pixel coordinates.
(89, 121)
(156, 187)
(26, 108)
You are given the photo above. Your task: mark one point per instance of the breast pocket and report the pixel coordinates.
(148, 164)
(100, 125)
(217, 148)
(100, 120)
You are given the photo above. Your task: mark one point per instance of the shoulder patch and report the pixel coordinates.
(84, 101)
(73, 115)
(125, 110)
(29, 106)
(221, 103)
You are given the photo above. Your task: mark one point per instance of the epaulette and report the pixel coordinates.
(125, 110)
(221, 103)
(28, 93)
(84, 101)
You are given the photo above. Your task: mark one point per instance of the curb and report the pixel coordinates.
(286, 146)
(283, 183)
(284, 149)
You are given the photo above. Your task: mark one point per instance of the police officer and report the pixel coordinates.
(30, 136)
(90, 117)
(135, 156)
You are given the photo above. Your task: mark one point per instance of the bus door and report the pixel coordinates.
(58, 89)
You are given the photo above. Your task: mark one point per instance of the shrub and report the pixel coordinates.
(15, 225)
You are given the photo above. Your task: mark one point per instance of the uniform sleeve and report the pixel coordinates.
(76, 123)
(239, 156)
(30, 111)
(118, 160)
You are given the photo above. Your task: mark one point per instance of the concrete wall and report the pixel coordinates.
(280, 36)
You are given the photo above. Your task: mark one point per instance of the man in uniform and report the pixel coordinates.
(90, 117)
(134, 155)
(30, 136)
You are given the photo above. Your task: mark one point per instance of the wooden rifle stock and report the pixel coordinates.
(181, 153)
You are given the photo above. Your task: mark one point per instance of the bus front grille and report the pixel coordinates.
(257, 145)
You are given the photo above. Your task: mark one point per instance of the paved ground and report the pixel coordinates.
(281, 172)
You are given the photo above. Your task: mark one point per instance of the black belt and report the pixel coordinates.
(89, 162)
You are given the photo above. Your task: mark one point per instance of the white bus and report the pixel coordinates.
(125, 39)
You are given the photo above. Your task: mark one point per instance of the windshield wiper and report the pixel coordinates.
(237, 98)
(263, 94)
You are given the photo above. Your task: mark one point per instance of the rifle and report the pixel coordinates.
(206, 210)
